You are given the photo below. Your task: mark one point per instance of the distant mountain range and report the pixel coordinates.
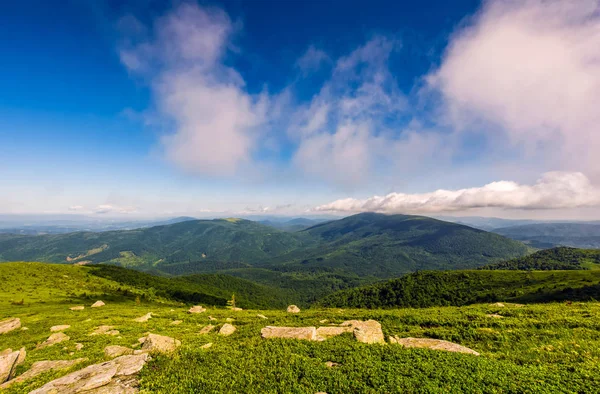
(546, 235)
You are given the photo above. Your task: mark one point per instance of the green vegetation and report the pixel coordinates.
(548, 235)
(562, 258)
(542, 348)
(425, 289)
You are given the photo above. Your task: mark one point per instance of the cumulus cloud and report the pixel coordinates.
(528, 70)
(312, 59)
(554, 190)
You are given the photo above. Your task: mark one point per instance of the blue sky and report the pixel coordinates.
(148, 108)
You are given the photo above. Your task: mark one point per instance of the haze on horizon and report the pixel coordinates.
(144, 109)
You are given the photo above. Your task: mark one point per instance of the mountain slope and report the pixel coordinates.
(547, 235)
(561, 258)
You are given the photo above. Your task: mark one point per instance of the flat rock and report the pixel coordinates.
(9, 325)
(144, 318)
(230, 320)
(110, 377)
(40, 367)
(212, 318)
(206, 345)
(236, 309)
(433, 344)
(323, 321)
(197, 309)
(305, 333)
(78, 346)
(261, 316)
(227, 329)
(105, 330)
(366, 331)
(98, 304)
(331, 364)
(59, 328)
(293, 309)
(77, 308)
(498, 304)
(328, 332)
(113, 351)
(53, 339)
(8, 365)
(160, 344)
(206, 330)
(176, 322)
(495, 316)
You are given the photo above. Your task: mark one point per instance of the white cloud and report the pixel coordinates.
(109, 209)
(312, 59)
(555, 190)
(76, 208)
(529, 70)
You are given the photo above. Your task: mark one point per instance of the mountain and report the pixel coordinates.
(561, 258)
(457, 288)
(296, 224)
(546, 235)
(486, 223)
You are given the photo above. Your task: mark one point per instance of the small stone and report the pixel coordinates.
(331, 364)
(77, 308)
(59, 328)
(176, 322)
(78, 346)
(498, 304)
(212, 318)
(323, 321)
(261, 316)
(236, 309)
(227, 329)
(197, 309)
(206, 330)
(433, 344)
(160, 344)
(98, 304)
(9, 325)
(53, 340)
(293, 309)
(206, 346)
(24, 328)
(144, 318)
(306, 333)
(113, 351)
(495, 316)
(105, 330)
(230, 320)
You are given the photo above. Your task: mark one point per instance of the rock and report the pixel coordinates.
(105, 330)
(144, 318)
(112, 377)
(236, 309)
(331, 364)
(113, 351)
(24, 328)
(433, 344)
(206, 330)
(306, 333)
(498, 304)
(160, 344)
(328, 332)
(293, 309)
(39, 367)
(9, 325)
(212, 318)
(366, 331)
(323, 321)
(495, 316)
(176, 322)
(230, 320)
(53, 339)
(142, 340)
(227, 330)
(59, 328)
(22, 356)
(8, 365)
(78, 346)
(98, 304)
(261, 316)
(206, 346)
(197, 309)
(77, 308)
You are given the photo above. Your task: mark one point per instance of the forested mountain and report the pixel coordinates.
(561, 258)
(547, 235)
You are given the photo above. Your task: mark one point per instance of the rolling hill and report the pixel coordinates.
(547, 235)
(561, 258)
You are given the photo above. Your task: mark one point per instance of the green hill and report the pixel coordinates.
(547, 235)
(561, 258)
(425, 289)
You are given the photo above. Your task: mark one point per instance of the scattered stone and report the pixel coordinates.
(433, 344)
(261, 316)
(206, 346)
(230, 320)
(22, 356)
(236, 309)
(24, 328)
(176, 322)
(142, 340)
(113, 351)
(197, 309)
(144, 318)
(206, 330)
(160, 344)
(293, 309)
(39, 367)
(105, 330)
(8, 365)
(306, 333)
(323, 321)
(98, 304)
(9, 325)
(77, 308)
(324, 333)
(227, 330)
(78, 346)
(110, 377)
(212, 318)
(331, 364)
(495, 316)
(59, 328)
(366, 331)
(498, 304)
(53, 339)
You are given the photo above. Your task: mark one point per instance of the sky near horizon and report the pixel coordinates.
(162, 108)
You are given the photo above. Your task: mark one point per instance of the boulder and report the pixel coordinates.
(261, 316)
(8, 365)
(293, 309)
(206, 330)
(40, 367)
(144, 318)
(22, 356)
(77, 308)
(105, 330)
(227, 330)
(9, 325)
(197, 309)
(113, 351)
(98, 304)
(366, 331)
(53, 339)
(110, 377)
(306, 333)
(160, 344)
(59, 328)
(433, 344)
(328, 332)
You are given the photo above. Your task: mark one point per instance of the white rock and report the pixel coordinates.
(293, 309)
(197, 309)
(98, 304)
(306, 333)
(77, 308)
(9, 325)
(59, 328)
(433, 344)
(227, 329)
(53, 339)
(113, 351)
(144, 318)
(160, 344)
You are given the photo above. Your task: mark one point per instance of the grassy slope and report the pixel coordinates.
(561, 258)
(536, 348)
(423, 289)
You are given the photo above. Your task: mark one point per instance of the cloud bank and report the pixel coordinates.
(555, 190)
